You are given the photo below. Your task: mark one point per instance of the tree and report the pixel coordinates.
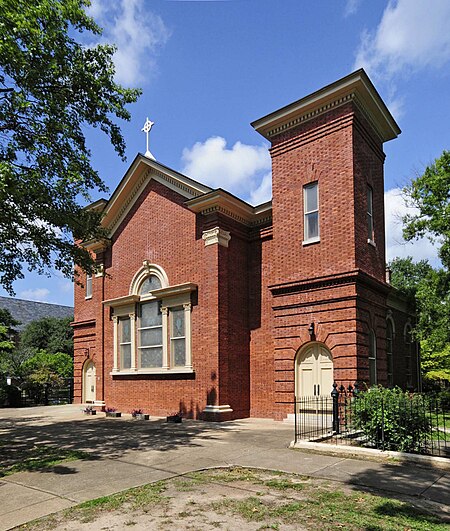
(6, 342)
(430, 194)
(44, 370)
(8, 320)
(406, 275)
(50, 334)
(51, 88)
(43, 367)
(429, 290)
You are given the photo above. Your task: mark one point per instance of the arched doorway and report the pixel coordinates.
(313, 371)
(89, 382)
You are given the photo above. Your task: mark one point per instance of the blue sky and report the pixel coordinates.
(210, 67)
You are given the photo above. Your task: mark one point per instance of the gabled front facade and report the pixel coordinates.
(206, 305)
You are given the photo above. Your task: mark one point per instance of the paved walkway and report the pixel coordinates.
(127, 453)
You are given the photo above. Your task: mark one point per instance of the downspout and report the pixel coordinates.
(103, 334)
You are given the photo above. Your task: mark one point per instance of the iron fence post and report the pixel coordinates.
(335, 397)
(295, 419)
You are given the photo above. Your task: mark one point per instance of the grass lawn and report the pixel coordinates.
(16, 458)
(239, 498)
(441, 420)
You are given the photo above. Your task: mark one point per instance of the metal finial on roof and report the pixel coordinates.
(147, 127)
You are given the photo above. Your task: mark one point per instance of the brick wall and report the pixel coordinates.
(159, 228)
(257, 298)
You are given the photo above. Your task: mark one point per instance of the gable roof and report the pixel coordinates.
(27, 311)
(199, 197)
(138, 175)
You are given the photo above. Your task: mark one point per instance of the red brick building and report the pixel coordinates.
(205, 304)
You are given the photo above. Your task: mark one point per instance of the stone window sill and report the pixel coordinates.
(311, 241)
(143, 372)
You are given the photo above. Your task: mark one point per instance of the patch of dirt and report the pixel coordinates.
(228, 499)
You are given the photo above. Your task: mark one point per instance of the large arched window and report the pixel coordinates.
(372, 358)
(152, 325)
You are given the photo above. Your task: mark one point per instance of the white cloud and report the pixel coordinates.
(412, 34)
(396, 246)
(38, 294)
(264, 191)
(351, 7)
(242, 170)
(138, 34)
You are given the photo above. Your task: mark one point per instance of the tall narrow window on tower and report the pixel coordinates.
(88, 285)
(370, 238)
(311, 210)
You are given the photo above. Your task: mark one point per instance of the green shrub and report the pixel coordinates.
(392, 419)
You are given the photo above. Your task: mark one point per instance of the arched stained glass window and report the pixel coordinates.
(150, 284)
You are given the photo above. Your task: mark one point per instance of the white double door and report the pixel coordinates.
(314, 371)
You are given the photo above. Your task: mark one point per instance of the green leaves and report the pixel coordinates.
(392, 418)
(51, 89)
(50, 334)
(430, 194)
(43, 368)
(429, 290)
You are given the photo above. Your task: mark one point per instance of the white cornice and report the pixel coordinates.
(223, 202)
(121, 301)
(96, 246)
(171, 291)
(354, 87)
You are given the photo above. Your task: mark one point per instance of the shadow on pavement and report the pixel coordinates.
(405, 479)
(99, 437)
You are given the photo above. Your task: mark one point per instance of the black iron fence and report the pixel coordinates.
(47, 394)
(386, 419)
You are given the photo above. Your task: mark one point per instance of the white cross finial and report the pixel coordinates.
(147, 127)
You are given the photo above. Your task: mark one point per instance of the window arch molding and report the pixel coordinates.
(390, 337)
(390, 319)
(407, 331)
(409, 346)
(144, 272)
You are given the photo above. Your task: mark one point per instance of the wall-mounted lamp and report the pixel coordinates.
(86, 352)
(311, 330)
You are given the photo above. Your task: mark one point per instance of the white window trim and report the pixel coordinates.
(315, 239)
(171, 297)
(145, 271)
(370, 234)
(89, 279)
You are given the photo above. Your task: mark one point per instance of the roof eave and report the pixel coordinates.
(357, 83)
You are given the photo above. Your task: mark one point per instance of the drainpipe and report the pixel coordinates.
(103, 332)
